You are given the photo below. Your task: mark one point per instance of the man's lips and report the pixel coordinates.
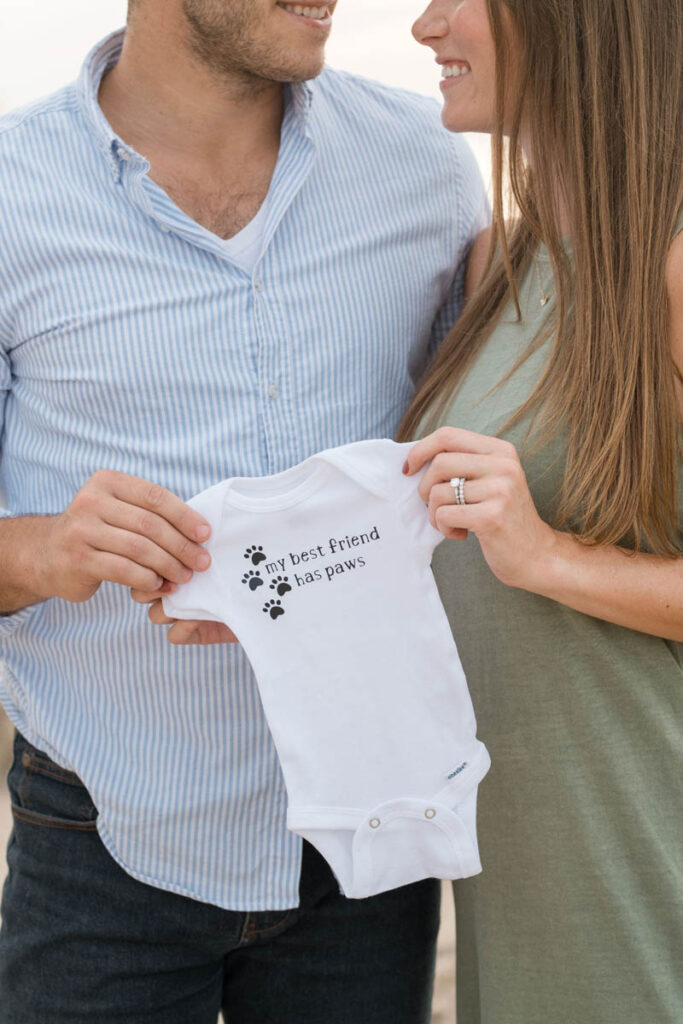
(317, 14)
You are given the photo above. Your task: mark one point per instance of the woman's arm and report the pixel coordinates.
(642, 592)
(674, 287)
(639, 591)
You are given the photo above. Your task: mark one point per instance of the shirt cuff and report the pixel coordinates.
(12, 620)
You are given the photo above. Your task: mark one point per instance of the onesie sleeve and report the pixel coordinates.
(415, 516)
(378, 466)
(202, 598)
(404, 494)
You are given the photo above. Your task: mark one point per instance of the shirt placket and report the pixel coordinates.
(273, 375)
(280, 445)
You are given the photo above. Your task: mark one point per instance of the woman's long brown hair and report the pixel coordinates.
(598, 87)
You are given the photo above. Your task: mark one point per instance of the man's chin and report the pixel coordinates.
(301, 73)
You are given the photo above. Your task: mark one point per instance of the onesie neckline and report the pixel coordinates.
(280, 491)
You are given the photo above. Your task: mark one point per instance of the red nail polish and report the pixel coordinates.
(406, 467)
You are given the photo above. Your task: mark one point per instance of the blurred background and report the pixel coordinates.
(42, 45)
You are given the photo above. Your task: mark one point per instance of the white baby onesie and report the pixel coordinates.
(323, 573)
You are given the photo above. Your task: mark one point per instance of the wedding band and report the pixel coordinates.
(458, 485)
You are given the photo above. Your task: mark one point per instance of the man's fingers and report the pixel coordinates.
(190, 632)
(135, 491)
(187, 631)
(157, 615)
(148, 596)
(115, 569)
(141, 522)
(140, 550)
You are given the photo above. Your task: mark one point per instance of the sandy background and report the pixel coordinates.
(444, 995)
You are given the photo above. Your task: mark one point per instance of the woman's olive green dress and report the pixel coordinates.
(577, 917)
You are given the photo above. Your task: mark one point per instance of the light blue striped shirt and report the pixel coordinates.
(129, 340)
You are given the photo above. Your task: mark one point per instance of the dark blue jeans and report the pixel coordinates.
(83, 941)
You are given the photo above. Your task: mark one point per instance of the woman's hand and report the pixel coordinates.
(182, 631)
(499, 511)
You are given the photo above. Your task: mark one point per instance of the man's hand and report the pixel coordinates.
(182, 631)
(124, 530)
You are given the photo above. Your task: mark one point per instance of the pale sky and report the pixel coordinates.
(43, 42)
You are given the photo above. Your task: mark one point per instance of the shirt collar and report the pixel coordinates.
(101, 59)
(104, 56)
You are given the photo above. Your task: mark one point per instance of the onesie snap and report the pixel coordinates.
(323, 572)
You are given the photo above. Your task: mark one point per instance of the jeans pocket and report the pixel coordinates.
(45, 794)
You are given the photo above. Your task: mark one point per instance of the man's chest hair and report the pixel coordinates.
(224, 209)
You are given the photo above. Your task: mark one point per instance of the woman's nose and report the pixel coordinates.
(431, 24)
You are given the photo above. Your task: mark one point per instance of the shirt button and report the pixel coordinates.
(430, 813)
(374, 823)
(273, 392)
(258, 285)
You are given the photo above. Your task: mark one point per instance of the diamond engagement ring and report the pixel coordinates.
(458, 485)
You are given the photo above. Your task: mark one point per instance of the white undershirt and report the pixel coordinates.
(245, 247)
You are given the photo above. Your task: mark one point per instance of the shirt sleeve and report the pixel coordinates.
(5, 388)
(203, 598)
(473, 214)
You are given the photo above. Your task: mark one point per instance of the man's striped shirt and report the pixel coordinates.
(130, 340)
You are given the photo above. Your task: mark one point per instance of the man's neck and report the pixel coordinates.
(164, 103)
(212, 141)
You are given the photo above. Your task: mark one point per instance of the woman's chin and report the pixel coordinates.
(462, 121)
(455, 122)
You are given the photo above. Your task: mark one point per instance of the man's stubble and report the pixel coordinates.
(228, 37)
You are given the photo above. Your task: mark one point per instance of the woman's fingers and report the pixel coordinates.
(443, 494)
(453, 439)
(498, 507)
(446, 466)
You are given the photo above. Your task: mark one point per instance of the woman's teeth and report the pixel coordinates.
(317, 13)
(454, 70)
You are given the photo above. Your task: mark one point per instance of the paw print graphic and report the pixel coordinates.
(274, 609)
(252, 579)
(255, 554)
(281, 584)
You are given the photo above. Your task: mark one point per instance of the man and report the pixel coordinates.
(216, 258)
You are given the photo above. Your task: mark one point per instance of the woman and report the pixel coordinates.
(558, 399)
